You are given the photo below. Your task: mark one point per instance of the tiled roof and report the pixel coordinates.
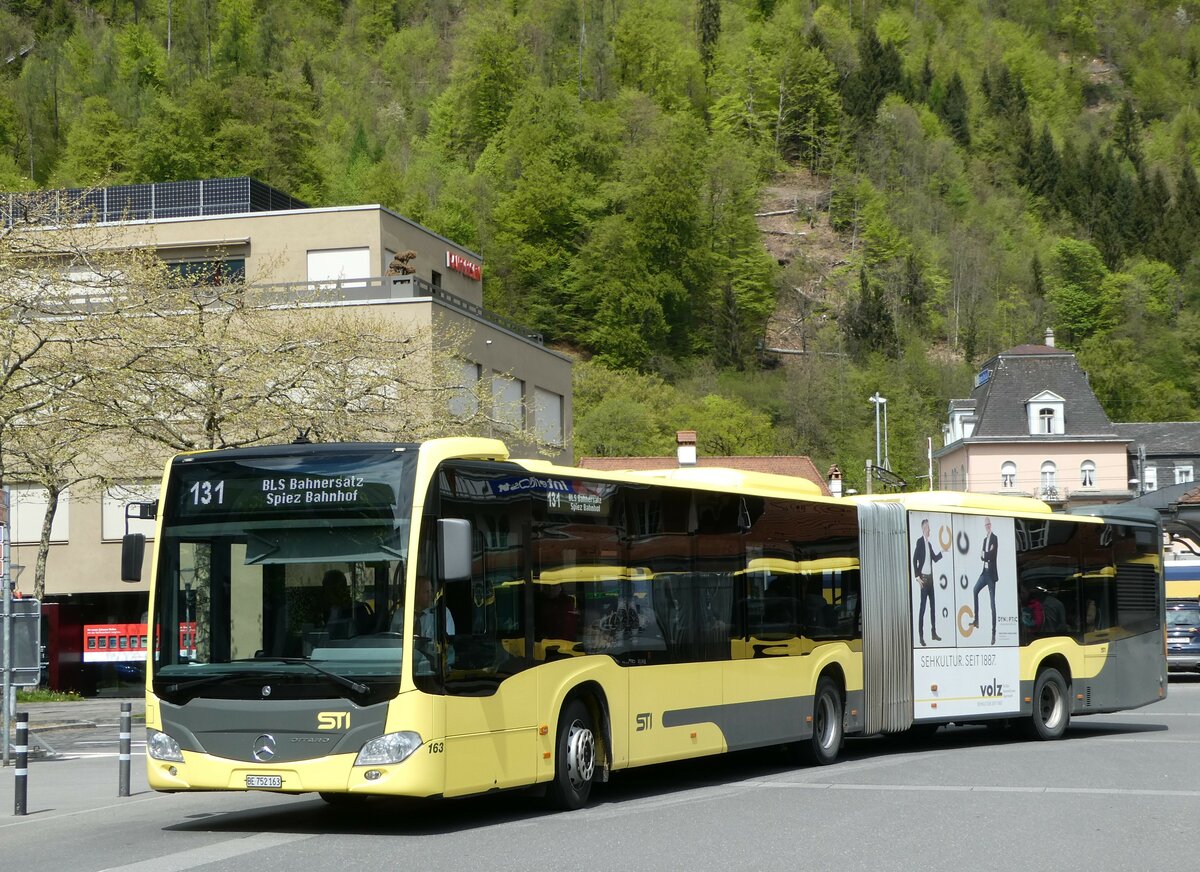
(1191, 497)
(1026, 371)
(797, 465)
(1165, 438)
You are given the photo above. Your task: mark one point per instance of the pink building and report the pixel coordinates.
(1033, 427)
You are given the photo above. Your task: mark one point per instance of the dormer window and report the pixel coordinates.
(1046, 414)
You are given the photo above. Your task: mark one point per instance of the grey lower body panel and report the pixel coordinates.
(1134, 675)
(764, 722)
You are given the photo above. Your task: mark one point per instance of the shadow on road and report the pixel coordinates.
(412, 817)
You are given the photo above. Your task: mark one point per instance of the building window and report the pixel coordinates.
(1008, 474)
(209, 273)
(548, 416)
(1183, 473)
(1046, 419)
(112, 510)
(1087, 474)
(436, 278)
(28, 505)
(1150, 473)
(507, 396)
(465, 404)
(338, 264)
(1049, 475)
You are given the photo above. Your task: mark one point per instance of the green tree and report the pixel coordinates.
(955, 110)
(725, 426)
(98, 147)
(490, 69)
(1074, 293)
(877, 76)
(808, 116)
(1127, 133)
(708, 22)
(867, 321)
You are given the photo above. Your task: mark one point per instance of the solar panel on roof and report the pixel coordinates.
(183, 199)
(177, 200)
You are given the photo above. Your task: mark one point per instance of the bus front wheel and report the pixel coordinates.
(575, 758)
(823, 746)
(1051, 709)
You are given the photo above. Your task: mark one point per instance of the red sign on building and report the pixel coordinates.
(458, 263)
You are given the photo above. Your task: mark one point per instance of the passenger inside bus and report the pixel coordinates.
(346, 618)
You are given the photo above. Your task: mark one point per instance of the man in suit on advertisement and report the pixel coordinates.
(925, 554)
(989, 576)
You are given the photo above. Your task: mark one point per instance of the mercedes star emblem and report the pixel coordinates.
(266, 691)
(264, 748)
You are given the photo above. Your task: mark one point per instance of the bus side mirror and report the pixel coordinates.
(454, 549)
(133, 550)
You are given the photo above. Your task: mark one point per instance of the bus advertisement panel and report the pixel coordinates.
(966, 617)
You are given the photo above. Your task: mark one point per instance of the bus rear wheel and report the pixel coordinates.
(574, 759)
(1051, 710)
(823, 746)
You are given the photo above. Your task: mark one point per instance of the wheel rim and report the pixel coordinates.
(1051, 705)
(825, 722)
(581, 755)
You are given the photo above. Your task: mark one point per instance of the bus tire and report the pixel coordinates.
(574, 758)
(1051, 706)
(823, 746)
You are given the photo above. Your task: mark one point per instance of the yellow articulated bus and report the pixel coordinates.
(440, 620)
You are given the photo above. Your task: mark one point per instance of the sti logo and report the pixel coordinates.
(333, 720)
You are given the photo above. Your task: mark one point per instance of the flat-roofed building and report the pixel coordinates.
(218, 231)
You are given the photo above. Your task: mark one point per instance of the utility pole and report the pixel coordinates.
(929, 458)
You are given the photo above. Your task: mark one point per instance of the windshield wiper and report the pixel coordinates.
(304, 661)
(195, 682)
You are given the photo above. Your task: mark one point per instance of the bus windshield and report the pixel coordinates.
(286, 571)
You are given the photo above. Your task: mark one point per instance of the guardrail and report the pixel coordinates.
(382, 288)
(362, 290)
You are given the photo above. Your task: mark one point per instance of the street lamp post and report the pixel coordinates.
(878, 401)
(887, 461)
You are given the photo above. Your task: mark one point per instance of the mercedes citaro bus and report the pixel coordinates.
(440, 620)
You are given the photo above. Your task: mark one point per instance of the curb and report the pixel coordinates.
(61, 725)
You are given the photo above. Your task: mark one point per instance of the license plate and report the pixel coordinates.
(264, 781)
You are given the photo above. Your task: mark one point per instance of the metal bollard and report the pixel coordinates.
(123, 754)
(22, 749)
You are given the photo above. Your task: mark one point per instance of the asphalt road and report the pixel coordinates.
(1119, 792)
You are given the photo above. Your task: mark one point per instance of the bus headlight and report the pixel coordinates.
(160, 746)
(389, 748)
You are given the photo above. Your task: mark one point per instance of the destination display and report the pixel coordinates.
(561, 495)
(225, 490)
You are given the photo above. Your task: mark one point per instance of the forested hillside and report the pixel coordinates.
(960, 174)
